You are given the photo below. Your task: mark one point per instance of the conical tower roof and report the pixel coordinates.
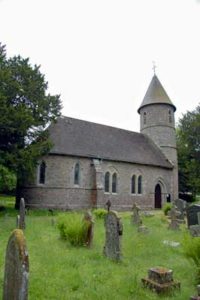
(156, 94)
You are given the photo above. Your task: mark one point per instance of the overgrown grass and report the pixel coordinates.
(59, 271)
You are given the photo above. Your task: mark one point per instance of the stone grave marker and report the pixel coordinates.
(22, 214)
(194, 230)
(173, 215)
(160, 280)
(192, 214)
(90, 228)
(136, 217)
(142, 228)
(181, 206)
(114, 230)
(16, 268)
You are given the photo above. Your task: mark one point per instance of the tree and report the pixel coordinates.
(188, 142)
(25, 111)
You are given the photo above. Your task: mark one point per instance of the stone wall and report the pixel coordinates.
(59, 189)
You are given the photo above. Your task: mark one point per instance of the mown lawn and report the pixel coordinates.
(59, 271)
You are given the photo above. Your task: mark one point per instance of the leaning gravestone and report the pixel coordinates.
(16, 268)
(90, 228)
(22, 214)
(114, 230)
(192, 214)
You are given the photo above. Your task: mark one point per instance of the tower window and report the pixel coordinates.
(145, 117)
(114, 183)
(140, 184)
(170, 116)
(42, 171)
(133, 184)
(107, 182)
(77, 174)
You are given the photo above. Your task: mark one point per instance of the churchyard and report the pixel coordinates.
(58, 270)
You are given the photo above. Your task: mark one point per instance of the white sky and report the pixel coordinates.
(98, 53)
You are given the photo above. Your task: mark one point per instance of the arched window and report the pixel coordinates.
(114, 183)
(145, 117)
(170, 116)
(77, 174)
(133, 184)
(42, 171)
(107, 182)
(140, 184)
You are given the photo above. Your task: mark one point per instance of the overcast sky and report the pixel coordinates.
(98, 54)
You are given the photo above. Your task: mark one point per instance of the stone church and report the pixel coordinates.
(90, 163)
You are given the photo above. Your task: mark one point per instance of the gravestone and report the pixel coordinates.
(160, 280)
(192, 214)
(16, 268)
(114, 230)
(173, 215)
(142, 228)
(90, 228)
(22, 214)
(136, 217)
(181, 206)
(194, 230)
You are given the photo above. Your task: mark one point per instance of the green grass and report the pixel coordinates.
(60, 271)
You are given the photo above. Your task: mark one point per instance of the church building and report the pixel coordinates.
(90, 163)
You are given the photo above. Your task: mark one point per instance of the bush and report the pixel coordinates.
(73, 228)
(100, 213)
(191, 248)
(166, 208)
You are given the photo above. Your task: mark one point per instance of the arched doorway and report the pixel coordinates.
(158, 196)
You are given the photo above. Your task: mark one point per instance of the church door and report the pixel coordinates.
(158, 196)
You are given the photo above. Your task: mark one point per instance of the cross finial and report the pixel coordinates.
(154, 67)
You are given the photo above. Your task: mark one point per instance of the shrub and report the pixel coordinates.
(100, 213)
(191, 248)
(73, 228)
(166, 208)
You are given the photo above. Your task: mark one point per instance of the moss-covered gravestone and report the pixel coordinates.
(113, 227)
(16, 268)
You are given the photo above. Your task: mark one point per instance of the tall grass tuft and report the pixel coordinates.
(191, 248)
(73, 228)
(166, 208)
(100, 213)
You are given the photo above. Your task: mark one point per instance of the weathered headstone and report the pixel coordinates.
(136, 217)
(192, 214)
(198, 294)
(194, 230)
(16, 268)
(173, 215)
(181, 206)
(114, 230)
(90, 228)
(160, 280)
(22, 214)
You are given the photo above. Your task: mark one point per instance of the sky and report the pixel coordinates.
(98, 54)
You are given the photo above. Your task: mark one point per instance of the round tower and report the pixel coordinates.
(158, 122)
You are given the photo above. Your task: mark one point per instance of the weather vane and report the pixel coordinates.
(154, 67)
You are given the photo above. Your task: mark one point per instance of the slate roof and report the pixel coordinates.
(86, 139)
(156, 94)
